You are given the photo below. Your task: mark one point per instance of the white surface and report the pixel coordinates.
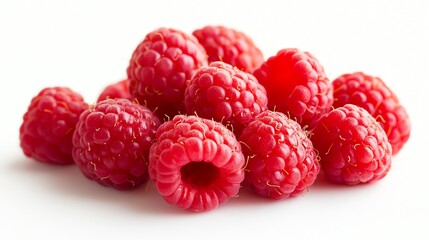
(87, 44)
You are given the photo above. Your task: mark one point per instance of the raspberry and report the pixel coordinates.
(226, 94)
(48, 125)
(160, 67)
(281, 159)
(112, 141)
(372, 94)
(352, 146)
(119, 89)
(297, 85)
(196, 163)
(230, 46)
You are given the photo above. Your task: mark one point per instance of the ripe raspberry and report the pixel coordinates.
(352, 146)
(112, 141)
(226, 94)
(196, 163)
(230, 46)
(160, 67)
(372, 94)
(281, 159)
(48, 125)
(297, 85)
(119, 89)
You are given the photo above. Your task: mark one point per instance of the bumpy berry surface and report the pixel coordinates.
(119, 89)
(230, 46)
(372, 94)
(160, 67)
(353, 147)
(112, 141)
(48, 125)
(296, 85)
(281, 159)
(196, 163)
(226, 94)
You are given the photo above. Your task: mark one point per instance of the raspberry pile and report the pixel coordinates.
(265, 126)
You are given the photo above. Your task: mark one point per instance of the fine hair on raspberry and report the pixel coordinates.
(196, 163)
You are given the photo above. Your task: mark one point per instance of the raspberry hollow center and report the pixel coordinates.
(199, 174)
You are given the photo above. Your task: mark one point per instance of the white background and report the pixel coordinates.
(87, 44)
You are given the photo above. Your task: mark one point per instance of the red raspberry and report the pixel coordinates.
(352, 146)
(281, 159)
(230, 46)
(160, 67)
(372, 94)
(46, 132)
(112, 141)
(226, 94)
(119, 89)
(196, 163)
(297, 85)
